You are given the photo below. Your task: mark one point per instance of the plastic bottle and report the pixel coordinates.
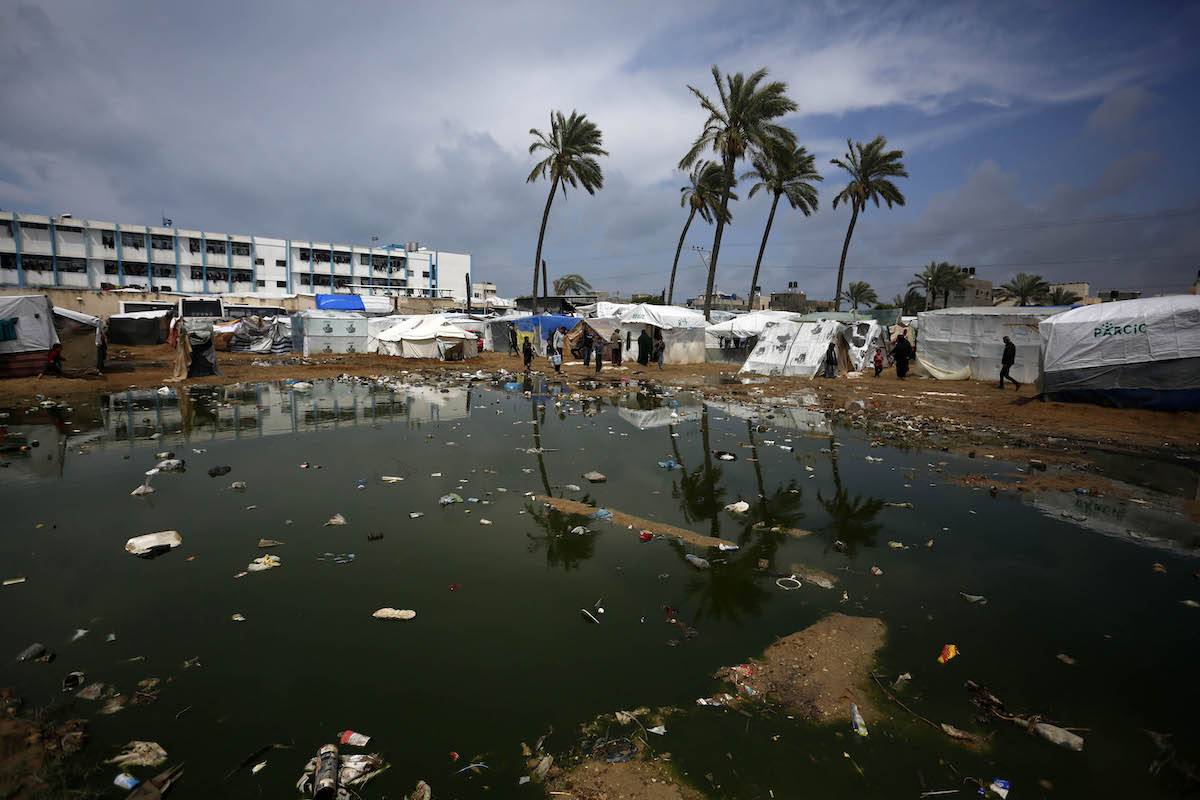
(325, 778)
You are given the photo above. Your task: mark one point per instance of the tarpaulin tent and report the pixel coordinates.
(195, 350)
(326, 332)
(797, 349)
(539, 328)
(369, 304)
(26, 334)
(140, 327)
(603, 308)
(599, 327)
(495, 334)
(262, 335)
(427, 336)
(958, 344)
(1128, 353)
(682, 330)
(377, 325)
(745, 326)
(77, 335)
(862, 338)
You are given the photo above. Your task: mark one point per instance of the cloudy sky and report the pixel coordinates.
(1048, 137)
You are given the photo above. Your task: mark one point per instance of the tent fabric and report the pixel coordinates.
(340, 302)
(746, 326)
(537, 329)
(797, 349)
(28, 324)
(427, 336)
(140, 327)
(76, 316)
(261, 335)
(862, 337)
(377, 325)
(603, 308)
(1129, 353)
(599, 326)
(663, 316)
(966, 343)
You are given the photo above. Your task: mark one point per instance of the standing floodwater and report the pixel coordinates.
(1048, 603)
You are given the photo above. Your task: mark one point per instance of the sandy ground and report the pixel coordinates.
(631, 780)
(818, 672)
(957, 415)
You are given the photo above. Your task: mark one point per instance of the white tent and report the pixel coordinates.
(427, 336)
(77, 316)
(603, 308)
(377, 325)
(745, 326)
(958, 344)
(862, 337)
(796, 348)
(682, 331)
(26, 334)
(1142, 353)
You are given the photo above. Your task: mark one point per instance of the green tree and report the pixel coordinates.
(927, 282)
(950, 278)
(938, 278)
(1062, 297)
(571, 283)
(702, 195)
(784, 172)
(859, 293)
(743, 119)
(572, 146)
(871, 168)
(1026, 289)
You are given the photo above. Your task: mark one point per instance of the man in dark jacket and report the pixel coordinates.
(902, 351)
(1006, 361)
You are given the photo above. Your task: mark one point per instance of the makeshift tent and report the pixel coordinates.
(599, 327)
(495, 334)
(325, 332)
(195, 350)
(427, 336)
(744, 326)
(77, 335)
(369, 304)
(797, 349)
(1129, 353)
(604, 308)
(262, 335)
(862, 338)
(26, 334)
(470, 323)
(682, 331)
(957, 344)
(140, 327)
(377, 325)
(538, 329)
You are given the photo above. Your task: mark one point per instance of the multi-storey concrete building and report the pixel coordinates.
(40, 251)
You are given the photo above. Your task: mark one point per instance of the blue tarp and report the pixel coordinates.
(340, 302)
(545, 324)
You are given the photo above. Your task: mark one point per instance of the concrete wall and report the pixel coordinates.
(104, 304)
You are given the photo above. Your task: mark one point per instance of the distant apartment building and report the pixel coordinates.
(791, 299)
(974, 292)
(727, 301)
(40, 251)
(1112, 295)
(483, 296)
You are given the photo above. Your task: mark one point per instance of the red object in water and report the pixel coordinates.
(453, 756)
(454, 587)
(645, 536)
(670, 612)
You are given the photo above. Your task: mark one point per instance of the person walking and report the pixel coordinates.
(645, 344)
(878, 361)
(1006, 363)
(660, 348)
(902, 351)
(616, 349)
(831, 361)
(527, 353)
(599, 347)
(586, 342)
(512, 340)
(101, 345)
(559, 341)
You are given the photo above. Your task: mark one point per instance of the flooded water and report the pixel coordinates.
(505, 655)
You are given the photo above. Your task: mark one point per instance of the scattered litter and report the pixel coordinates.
(898, 505)
(1066, 659)
(1190, 603)
(873, 460)
(394, 613)
(153, 544)
(353, 739)
(697, 561)
(355, 770)
(422, 792)
(723, 455)
(588, 615)
(79, 634)
(336, 519)
(112, 637)
(949, 651)
(139, 754)
(570, 487)
(974, 599)
(788, 584)
(145, 488)
(983, 699)
(269, 543)
(740, 507)
(901, 681)
(125, 781)
(670, 464)
(170, 465)
(73, 682)
(876, 571)
(257, 768)
(897, 545)
(216, 472)
(857, 723)
(594, 477)
(238, 486)
(14, 581)
(999, 787)
(485, 521)
(661, 730)
(391, 478)
(237, 618)
(415, 514)
(450, 499)
(602, 514)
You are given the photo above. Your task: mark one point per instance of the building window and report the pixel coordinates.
(36, 263)
(8, 261)
(364, 259)
(304, 254)
(341, 258)
(424, 274)
(6, 227)
(161, 271)
(216, 248)
(321, 256)
(280, 284)
(72, 265)
(197, 272)
(305, 279)
(108, 239)
(342, 283)
(162, 243)
(193, 245)
(218, 275)
(135, 268)
(259, 262)
(281, 262)
(261, 284)
(241, 249)
(110, 268)
(135, 240)
(242, 276)
(34, 226)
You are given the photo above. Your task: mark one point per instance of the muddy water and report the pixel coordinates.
(508, 655)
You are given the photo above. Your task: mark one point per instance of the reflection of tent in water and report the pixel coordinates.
(958, 344)
(797, 349)
(140, 327)
(430, 404)
(195, 350)
(644, 418)
(1110, 516)
(26, 334)
(785, 417)
(1130, 353)
(427, 336)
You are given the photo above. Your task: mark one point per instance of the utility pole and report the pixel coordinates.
(705, 257)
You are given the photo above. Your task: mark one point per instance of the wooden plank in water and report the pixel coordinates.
(639, 523)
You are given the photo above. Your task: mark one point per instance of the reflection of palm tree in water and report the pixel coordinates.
(562, 547)
(537, 432)
(852, 520)
(698, 491)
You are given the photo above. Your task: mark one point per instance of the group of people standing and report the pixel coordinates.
(592, 345)
(901, 353)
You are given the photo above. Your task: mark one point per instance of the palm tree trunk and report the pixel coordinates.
(837, 298)
(545, 277)
(762, 247)
(537, 259)
(537, 444)
(678, 249)
(716, 251)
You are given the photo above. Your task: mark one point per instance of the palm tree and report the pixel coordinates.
(742, 120)
(870, 167)
(950, 278)
(927, 281)
(571, 283)
(1062, 297)
(572, 147)
(784, 172)
(911, 301)
(702, 196)
(1025, 289)
(860, 292)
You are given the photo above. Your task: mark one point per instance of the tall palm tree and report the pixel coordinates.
(743, 119)
(784, 172)
(572, 146)
(950, 278)
(702, 196)
(871, 168)
(1025, 289)
(911, 301)
(1062, 297)
(860, 293)
(927, 282)
(571, 283)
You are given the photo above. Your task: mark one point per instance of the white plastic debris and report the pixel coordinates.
(336, 519)
(152, 543)
(740, 507)
(394, 613)
(264, 563)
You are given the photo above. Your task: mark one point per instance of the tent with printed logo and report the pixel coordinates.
(797, 349)
(1129, 353)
